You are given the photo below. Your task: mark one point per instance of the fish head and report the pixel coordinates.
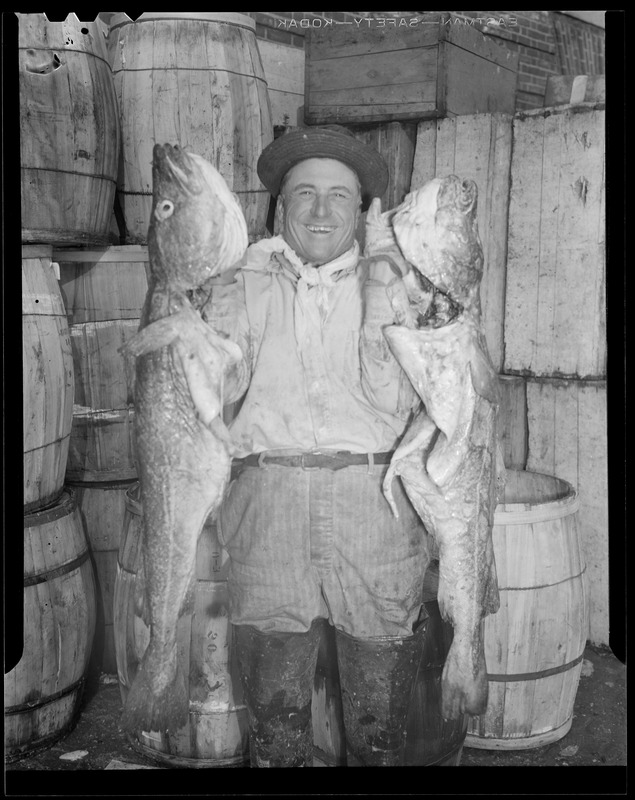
(197, 228)
(437, 232)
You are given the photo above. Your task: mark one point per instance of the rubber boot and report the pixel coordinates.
(377, 680)
(277, 672)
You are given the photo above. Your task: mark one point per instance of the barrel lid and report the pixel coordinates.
(242, 20)
(533, 497)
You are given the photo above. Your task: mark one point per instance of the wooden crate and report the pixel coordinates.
(437, 68)
(555, 316)
(476, 146)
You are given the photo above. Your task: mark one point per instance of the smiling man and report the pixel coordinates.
(323, 403)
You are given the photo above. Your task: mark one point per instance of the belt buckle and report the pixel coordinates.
(303, 464)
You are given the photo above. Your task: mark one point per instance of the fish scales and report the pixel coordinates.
(197, 231)
(449, 460)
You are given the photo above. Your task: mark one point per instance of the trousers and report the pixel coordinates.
(313, 543)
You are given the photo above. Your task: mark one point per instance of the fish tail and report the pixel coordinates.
(387, 489)
(148, 708)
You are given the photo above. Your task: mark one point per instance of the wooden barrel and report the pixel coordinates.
(43, 691)
(102, 508)
(217, 733)
(104, 291)
(69, 131)
(535, 643)
(47, 380)
(196, 80)
(430, 740)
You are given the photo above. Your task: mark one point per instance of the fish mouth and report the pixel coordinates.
(172, 163)
(458, 193)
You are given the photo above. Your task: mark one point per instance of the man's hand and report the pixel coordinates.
(380, 238)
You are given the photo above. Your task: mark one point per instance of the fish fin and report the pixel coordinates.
(187, 606)
(483, 377)
(203, 385)
(464, 687)
(491, 601)
(157, 334)
(140, 597)
(150, 709)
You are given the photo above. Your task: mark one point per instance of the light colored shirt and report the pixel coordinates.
(317, 373)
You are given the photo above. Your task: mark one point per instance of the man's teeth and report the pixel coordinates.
(320, 228)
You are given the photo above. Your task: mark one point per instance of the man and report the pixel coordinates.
(308, 531)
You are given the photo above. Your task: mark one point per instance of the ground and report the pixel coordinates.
(597, 738)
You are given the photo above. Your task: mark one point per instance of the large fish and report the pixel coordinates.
(450, 460)
(197, 230)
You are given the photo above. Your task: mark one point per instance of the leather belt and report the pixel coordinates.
(332, 461)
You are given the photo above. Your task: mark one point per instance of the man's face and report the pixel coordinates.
(321, 206)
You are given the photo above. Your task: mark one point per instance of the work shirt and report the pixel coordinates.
(317, 373)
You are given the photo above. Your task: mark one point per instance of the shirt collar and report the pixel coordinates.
(264, 254)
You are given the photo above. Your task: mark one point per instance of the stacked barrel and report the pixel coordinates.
(68, 157)
(94, 99)
(104, 290)
(196, 80)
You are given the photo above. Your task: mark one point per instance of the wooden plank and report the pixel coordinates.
(513, 421)
(283, 66)
(567, 438)
(476, 146)
(379, 71)
(555, 320)
(364, 113)
(395, 141)
(356, 40)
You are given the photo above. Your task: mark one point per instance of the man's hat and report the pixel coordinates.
(329, 141)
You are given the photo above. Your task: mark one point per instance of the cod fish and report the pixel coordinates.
(197, 230)
(449, 460)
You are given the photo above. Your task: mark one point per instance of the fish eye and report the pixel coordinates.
(164, 209)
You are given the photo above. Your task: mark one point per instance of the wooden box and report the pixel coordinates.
(440, 67)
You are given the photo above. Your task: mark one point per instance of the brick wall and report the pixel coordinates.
(548, 42)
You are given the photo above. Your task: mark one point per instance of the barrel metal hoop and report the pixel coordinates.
(235, 23)
(542, 585)
(567, 507)
(105, 485)
(51, 699)
(63, 508)
(73, 172)
(532, 676)
(65, 49)
(43, 577)
(190, 69)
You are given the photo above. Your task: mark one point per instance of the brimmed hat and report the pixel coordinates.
(329, 141)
